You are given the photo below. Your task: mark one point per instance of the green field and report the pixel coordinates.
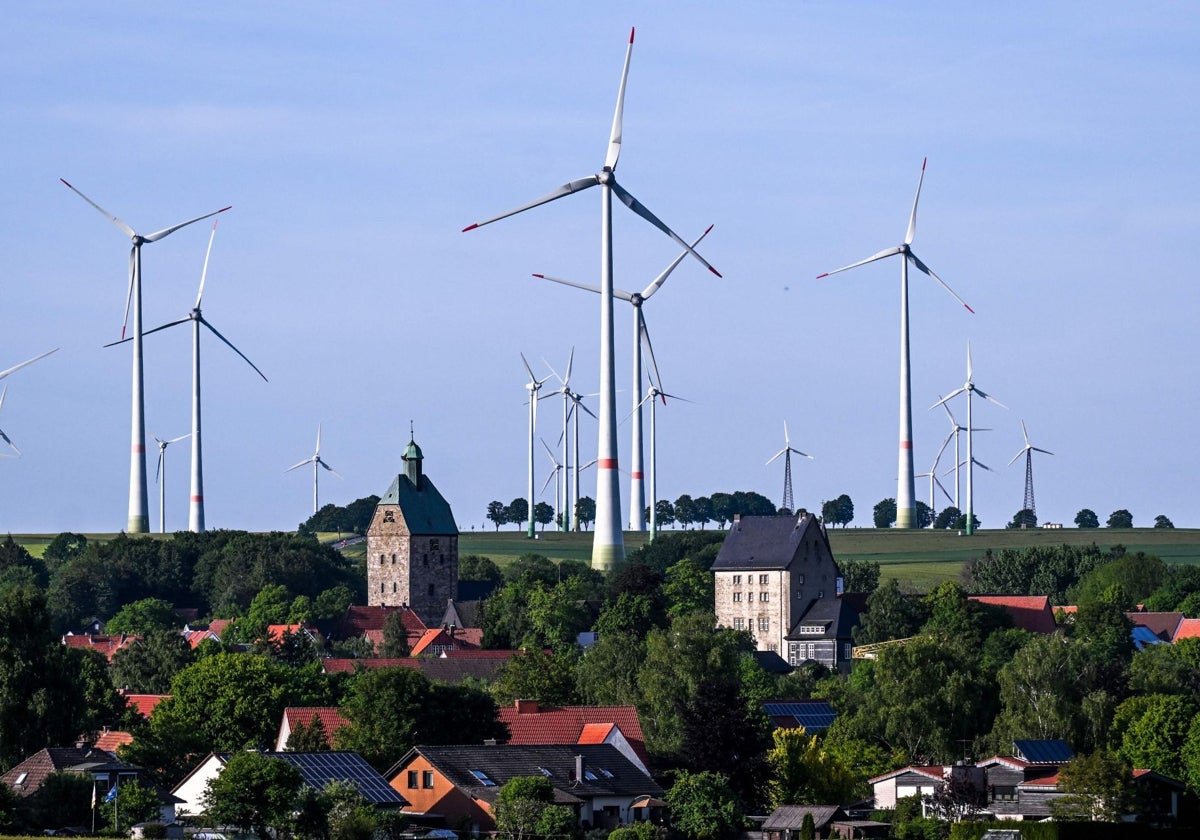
(922, 558)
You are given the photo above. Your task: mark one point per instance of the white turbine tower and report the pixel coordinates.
(196, 503)
(532, 386)
(653, 395)
(970, 389)
(564, 388)
(637, 491)
(1028, 451)
(554, 474)
(905, 490)
(316, 461)
(935, 481)
(608, 547)
(139, 518)
(160, 478)
(577, 406)
(786, 452)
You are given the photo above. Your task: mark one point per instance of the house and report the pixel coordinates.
(775, 576)
(197, 636)
(529, 722)
(1163, 625)
(277, 632)
(447, 640)
(295, 717)
(368, 622)
(412, 544)
(143, 704)
(1188, 628)
(786, 821)
(106, 645)
(318, 770)
(907, 781)
(104, 768)
(603, 787)
(814, 715)
(1028, 612)
(109, 739)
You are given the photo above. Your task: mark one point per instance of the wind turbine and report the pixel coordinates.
(160, 478)
(568, 395)
(577, 406)
(1028, 451)
(637, 492)
(933, 479)
(3, 436)
(654, 394)
(316, 461)
(970, 388)
(5, 373)
(554, 473)
(533, 386)
(905, 490)
(196, 505)
(139, 519)
(955, 429)
(786, 452)
(608, 547)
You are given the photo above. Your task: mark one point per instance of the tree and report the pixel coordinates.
(149, 665)
(537, 675)
(585, 511)
(497, 513)
(474, 567)
(543, 514)
(516, 512)
(1153, 731)
(1024, 518)
(703, 806)
(664, 513)
(702, 512)
(960, 524)
(395, 637)
(64, 547)
(859, 575)
(63, 799)
(132, 804)
(310, 738)
(1087, 519)
(885, 513)
(891, 614)
(803, 773)
(947, 518)
(688, 588)
(685, 510)
(384, 709)
(1161, 521)
(839, 511)
(144, 616)
(925, 515)
(254, 792)
(1097, 787)
(722, 508)
(525, 808)
(1120, 519)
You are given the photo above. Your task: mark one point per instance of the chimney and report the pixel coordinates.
(737, 517)
(802, 513)
(527, 707)
(579, 768)
(489, 742)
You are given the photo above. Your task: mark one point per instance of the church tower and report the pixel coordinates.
(412, 544)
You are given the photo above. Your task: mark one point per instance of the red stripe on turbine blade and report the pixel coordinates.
(65, 181)
(826, 274)
(714, 271)
(969, 309)
(631, 31)
(470, 227)
(607, 463)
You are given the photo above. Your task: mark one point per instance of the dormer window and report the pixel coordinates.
(483, 778)
(546, 773)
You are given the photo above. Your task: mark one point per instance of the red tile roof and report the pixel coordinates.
(296, 716)
(595, 733)
(144, 704)
(1188, 628)
(358, 620)
(450, 668)
(936, 772)
(110, 739)
(107, 645)
(440, 641)
(1029, 612)
(195, 637)
(531, 723)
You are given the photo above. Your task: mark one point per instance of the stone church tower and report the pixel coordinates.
(412, 545)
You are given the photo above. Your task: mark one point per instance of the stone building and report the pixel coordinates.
(412, 545)
(775, 576)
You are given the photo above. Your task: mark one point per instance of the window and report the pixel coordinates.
(393, 587)
(433, 545)
(412, 779)
(588, 775)
(380, 559)
(737, 596)
(764, 624)
(810, 629)
(427, 779)
(737, 580)
(546, 773)
(431, 589)
(764, 596)
(1004, 793)
(380, 587)
(762, 580)
(799, 580)
(739, 624)
(483, 778)
(605, 773)
(393, 559)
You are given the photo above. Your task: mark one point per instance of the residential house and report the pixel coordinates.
(1028, 612)
(295, 717)
(786, 821)
(1188, 628)
(775, 577)
(530, 722)
(814, 714)
(450, 667)
(143, 704)
(318, 770)
(907, 781)
(367, 622)
(603, 787)
(447, 639)
(104, 768)
(1163, 625)
(106, 645)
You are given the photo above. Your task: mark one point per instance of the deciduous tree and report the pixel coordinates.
(884, 514)
(703, 806)
(1161, 521)
(497, 513)
(1120, 519)
(517, 512)
(254, 792)
(1087, 518)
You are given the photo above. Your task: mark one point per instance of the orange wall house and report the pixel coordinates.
(428, 791)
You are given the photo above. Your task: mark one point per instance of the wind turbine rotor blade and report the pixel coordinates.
(979, 463)
(672, 396)
(213, 330)
(947, 398)
(920, 265)
(989, 398)
(787, 440)
(1043, 451)
(298, 466)
(614, 138)
(942, 449)
(587, 411)
(129, 290)
(162, 453)
(890, 252)
(126, 229)
(549, 452)
(776, 455)
(8, 440)
(573, 283)
(318, 452)
(549, 478)
(653, 363)
(953, 422)
(804, 454)
(528, 369)
(938, 482)
(27, 362)
(148, 332)
(204, 272)
(181, 437)
(570, 362)
(656, 284)
(912, 219)
(329, 468)
(565, 189)
(159, 234)
(637, 207)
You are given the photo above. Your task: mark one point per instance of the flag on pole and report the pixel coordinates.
(111, 795)
(93, 797)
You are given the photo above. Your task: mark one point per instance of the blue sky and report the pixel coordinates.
(355, 141)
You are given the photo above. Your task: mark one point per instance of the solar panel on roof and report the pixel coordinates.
(1044, 752)
(815, 716)
(318, 769)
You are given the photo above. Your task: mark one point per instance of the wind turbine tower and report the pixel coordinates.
(316, 460)
(139, 518)
(1028, 451)
(906, 509)
(608, 543)
(786, 452)
(533, 386)
(160, 477)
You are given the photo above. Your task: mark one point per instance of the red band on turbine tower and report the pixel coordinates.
(137, 447)
(636, 475)
(607, 463)
(906, 444)
(197, 498)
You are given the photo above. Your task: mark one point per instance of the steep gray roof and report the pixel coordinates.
(762, 542)
(835, 614)
(424, 509)
(614, 774)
